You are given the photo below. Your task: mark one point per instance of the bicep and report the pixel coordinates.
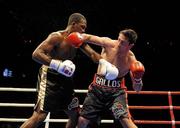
(132, 58)
(41, 53)
(49, 43)
(102, 41)
(92, 39)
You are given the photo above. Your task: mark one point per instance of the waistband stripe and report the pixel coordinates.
(101, 81)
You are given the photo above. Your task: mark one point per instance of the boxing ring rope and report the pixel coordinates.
(170, 107)
(168, 93)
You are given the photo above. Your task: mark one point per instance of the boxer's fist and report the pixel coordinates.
(74, 39)
(65, 68)
(137, 69)
(108, 70)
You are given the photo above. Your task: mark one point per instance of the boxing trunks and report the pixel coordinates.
(104, 95)
(55, 91)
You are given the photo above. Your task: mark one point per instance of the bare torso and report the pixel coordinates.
(118, 58)
(54, 47)
(63, 50)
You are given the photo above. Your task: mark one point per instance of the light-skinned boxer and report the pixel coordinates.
(107, 90)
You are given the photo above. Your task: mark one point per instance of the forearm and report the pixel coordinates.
(136, 72)
(90, 53)
(92, 39)
(41, 58)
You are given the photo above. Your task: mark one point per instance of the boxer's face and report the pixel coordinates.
(81, 26)
(124, 41)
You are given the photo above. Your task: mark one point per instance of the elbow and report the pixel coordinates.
(96, 57)
(34, 56)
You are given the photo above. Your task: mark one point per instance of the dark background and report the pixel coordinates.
(23, 25)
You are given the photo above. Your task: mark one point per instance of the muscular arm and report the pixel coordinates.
(132, 57)
(90, 52)
(101, 41)
(42, 53)
(136, 73)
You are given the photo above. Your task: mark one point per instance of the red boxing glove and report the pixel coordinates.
(137, 69)
(74, 39)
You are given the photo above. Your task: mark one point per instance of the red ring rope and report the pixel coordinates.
(170, 107)
(173, 122)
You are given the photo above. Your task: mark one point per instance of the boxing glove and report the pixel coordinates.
(65, 68)
(137, 69)
(108, 70)
(74, 39)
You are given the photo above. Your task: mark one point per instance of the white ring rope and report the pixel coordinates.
(47, 120)
(16, 105)
(18, 89)
(34, 90)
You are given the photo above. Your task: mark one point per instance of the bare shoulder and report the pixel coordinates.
(107, 39)
(131, 53)
(55, 36)
(131, 56)
(109, 42)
